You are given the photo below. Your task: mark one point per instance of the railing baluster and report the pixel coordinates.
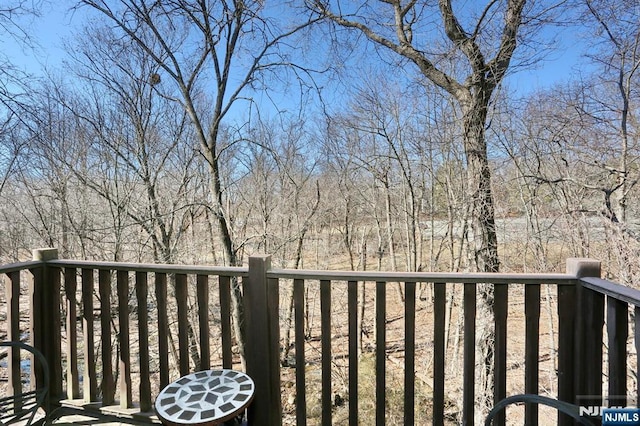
(90, 382)
(409, 352)
(636, 330)
(202, 290)
(381, 351)
(273, 313)
(13, 306)
(566, 347)
(531, 349)
(500, 308)
(617, 330)
(52, 303)
(70, 286)
(439, 344)
(183, 325)
(325, 331)
(143, 339)
(469, 369)
(124, 341)
(589, 363)
(224, 290)
(301, 394)
(108, 385)
(352, 303)
(36, 326)
(163, 328)
(14, 381)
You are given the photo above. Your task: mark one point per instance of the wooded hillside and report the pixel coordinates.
(203, 132)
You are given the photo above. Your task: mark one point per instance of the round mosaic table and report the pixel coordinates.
(205, 398)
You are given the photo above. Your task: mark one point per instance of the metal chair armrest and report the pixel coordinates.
(564, 407)
(15, 408)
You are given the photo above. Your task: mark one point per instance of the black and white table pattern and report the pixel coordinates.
(205, 398)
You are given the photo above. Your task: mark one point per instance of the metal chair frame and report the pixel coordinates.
(564, 407)
(24, 405)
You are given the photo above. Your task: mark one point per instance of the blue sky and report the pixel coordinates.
(560, 65)
(48, 32)
(57, 24)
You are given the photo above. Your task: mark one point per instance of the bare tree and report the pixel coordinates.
(567, 152)
(486, 46)
(13, 82)
(208, 55)
(618, 47)
(137, 131)
(287, 196)
(482, 41)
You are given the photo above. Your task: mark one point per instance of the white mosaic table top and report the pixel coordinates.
(205, 397)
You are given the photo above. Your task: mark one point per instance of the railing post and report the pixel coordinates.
(588, 335)
(262, 342)
(45, 324)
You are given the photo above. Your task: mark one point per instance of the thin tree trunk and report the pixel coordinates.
(552, 336)
(390, 237)
(360, 318)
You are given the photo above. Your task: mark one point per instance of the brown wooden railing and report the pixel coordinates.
(81, 316)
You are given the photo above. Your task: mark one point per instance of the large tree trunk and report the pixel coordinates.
(484, 242)
(483, 225)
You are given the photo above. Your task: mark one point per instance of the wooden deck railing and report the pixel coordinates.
(81, 316)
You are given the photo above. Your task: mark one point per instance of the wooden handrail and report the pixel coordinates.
(610, 289)
(19, 266)
(151, 267)
(423, 277)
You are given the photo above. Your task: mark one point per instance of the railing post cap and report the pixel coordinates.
(44, 254)
(260, 259)
(583, 267)
(260, 256)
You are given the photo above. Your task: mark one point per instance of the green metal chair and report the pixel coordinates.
(564, 407)
(23, 405)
